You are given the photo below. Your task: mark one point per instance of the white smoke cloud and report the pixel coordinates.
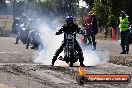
(82, 4)
(52, 42)
(93, 58)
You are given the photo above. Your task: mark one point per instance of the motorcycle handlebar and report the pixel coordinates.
(57, 33)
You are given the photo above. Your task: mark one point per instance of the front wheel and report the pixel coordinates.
(71, 58)
(81, 80)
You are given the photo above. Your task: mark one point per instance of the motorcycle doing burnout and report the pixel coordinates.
(70, 54)
(70, 46)
(23, 33)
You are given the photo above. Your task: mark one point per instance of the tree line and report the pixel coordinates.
(107, 11)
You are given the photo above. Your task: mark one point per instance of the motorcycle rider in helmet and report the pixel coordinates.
(69, 27)
(24, 21)
(16, 25)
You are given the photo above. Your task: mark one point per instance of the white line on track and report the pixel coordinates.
(11, 52)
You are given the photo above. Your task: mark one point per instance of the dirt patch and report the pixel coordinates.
(121, 60)
(5, 86)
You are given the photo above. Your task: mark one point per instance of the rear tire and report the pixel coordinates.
(81, 80)
(71, 64)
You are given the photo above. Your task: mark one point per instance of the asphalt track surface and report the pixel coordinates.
(17, 69)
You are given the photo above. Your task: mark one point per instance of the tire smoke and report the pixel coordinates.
(52, 42)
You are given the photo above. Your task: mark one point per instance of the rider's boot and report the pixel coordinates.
(16, 41)
(94, 46)
(26, 47)
(81, 59)
(53, 60)
(52, 63)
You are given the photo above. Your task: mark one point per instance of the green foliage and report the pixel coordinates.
(108, 10)
(59, 6)
(103, 10)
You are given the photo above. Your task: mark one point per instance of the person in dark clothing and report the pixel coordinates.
(16, 25)
(24, 22)
(92, 31)
(69, 27)
(124, 22)
(17, 38)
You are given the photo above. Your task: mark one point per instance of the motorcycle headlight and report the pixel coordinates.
(21, 25)
(70, 36)
(70, 46)
(23, 29)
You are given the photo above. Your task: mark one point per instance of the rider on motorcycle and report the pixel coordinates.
(24, 19)
(23, 23)
(69, 27)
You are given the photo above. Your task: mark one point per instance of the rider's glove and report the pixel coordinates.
(57, 33)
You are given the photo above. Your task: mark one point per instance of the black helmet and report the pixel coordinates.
(122, 13)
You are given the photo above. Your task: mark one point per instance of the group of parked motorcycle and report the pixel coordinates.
(27, 31)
